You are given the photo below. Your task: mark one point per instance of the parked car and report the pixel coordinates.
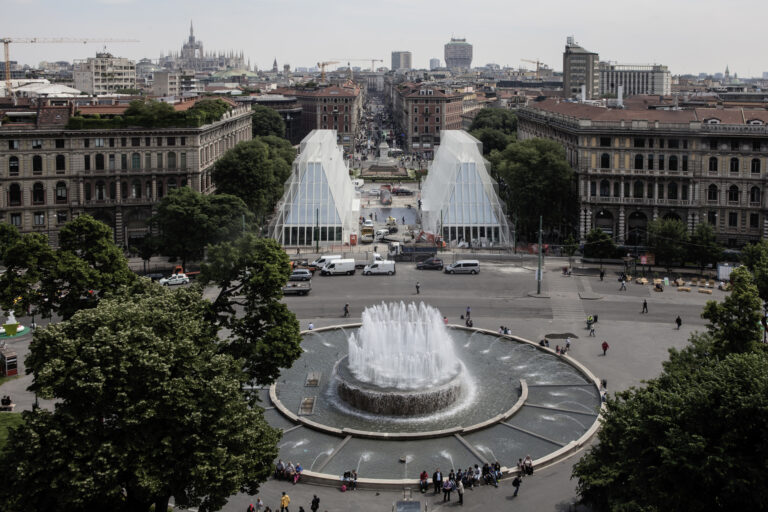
(368, 223)
(322, 260)
(339, 266)
(463, 267)
(297, 288)
(380, 267)
(430, 264)
(174, 279)
(301, 274)
(374, 192)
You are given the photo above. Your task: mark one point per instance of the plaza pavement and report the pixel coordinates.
(638, 345)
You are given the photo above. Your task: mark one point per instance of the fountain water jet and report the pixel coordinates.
(401, 362)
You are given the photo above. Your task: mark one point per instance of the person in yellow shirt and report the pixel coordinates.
(285, 500)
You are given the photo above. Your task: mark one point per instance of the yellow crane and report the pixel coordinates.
(538, 66)
(373, 62)
(322, 65)
(8, 40)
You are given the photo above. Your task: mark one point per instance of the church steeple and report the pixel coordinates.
(191, 31)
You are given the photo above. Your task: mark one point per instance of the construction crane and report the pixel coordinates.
(373, 62)
(539, 65)
(8, 40)
(322, 65)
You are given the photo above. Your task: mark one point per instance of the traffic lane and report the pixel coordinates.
(608, 310)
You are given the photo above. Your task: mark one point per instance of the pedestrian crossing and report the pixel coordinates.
(564, 297)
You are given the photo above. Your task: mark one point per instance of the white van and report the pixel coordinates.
(320, 262)
(339, 266)
(463, 267)
(380, 267)
(381, 234)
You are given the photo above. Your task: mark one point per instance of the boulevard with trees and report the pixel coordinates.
(496, 128)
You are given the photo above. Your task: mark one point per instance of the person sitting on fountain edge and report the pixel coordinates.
(424, 481)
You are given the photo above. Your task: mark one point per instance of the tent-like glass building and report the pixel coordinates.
(319, 202)
(459, 197)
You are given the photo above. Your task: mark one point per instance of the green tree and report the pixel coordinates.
(267, 121)
(692, 439)
(188, 221)
(704, 249)
(599, 245)
(250, 273)
(500, 119)
(571, 246)
(734, 323)
(751, 254)
(492, 139)
(539, 181)
(31, 265)
(146, 408)
(9, 235)
(667, 239)
(255, 171)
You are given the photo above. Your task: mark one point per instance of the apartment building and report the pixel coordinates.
(580, 69)
(651, 79)
(104, 74)
(50, 174)
(636, 165)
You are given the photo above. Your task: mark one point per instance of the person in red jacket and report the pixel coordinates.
(605, 347)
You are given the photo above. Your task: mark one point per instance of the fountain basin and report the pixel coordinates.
(392, 401)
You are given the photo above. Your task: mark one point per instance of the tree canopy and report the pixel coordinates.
(703, 248)
(693, 438)
(599, 245)
(147, 407)
(539, 181)
(492, 139)
(188, 221)
(501, 119)
(86, 266)
(250, 273)
(255, 171)
(667, 239)
(267, 121)
(9, 235)
(156, 114)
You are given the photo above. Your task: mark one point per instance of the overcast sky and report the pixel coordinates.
(689, 36)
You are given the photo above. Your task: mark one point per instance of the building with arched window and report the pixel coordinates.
(49, 173)
(638, 164)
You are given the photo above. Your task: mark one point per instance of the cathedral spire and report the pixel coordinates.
(191, 30)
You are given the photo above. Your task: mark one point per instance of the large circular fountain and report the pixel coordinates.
(401, 362)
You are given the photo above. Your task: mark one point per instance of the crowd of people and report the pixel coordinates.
(288, 471)
(349, 480)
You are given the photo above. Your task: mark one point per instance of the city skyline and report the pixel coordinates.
(678, 34)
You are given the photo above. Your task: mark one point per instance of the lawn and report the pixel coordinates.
(7, 420)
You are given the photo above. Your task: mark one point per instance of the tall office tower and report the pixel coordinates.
(458, 55)
(580, 68)
(402, 60)
(434, 63)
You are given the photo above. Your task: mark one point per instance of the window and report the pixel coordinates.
(112, 190)
(123, 141)
(38, 194)
(639, 187)
(415, 110)
(37, 144)
(755, 166)
(673, 163)
(754, 220)
(183, 164)
(684, 189)
(661, 191)
(616, 189)
(171, 141)
(672, 191)
(626, 188)
(713, 145)
(111, 162)
(650, 162)
(61, 192)
(61, 217)
(171, 160)
(37, 164)
(123, 161)
(639, 143)
(183, 141)
(87, 162)
(86, 143)
(733, 219)
(712, 193)
(135, 161)
(734, 145)
(650, 143)
(605, 161)
(147, 161)
(661, 162)
(754, 195)
(99, 162)
(685, 143)
(592, 189)
(59, 143)
(147, 141)
(100, 191)
(148, 190)
(135, 189)
(711, 218)
(605, 142)
(755, 145)
(13, 144)
(159, 160)
(734, 165)
(124, 189)
(16, 219)
(713, 164)
(14, 194)
(733, 194)
(685, 163)
(638, 161)
(437, 111)
(135, 141)
(87, 188)
(61, 163)
(13, 166)
(605, 188)
(99, 143)
(111, 142)
(673, 143)
(39, 218)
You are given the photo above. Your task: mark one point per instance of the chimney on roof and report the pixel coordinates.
(620, 97)
(583, 93)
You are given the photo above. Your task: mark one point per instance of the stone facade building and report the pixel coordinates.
(636, 165)
(50, 174)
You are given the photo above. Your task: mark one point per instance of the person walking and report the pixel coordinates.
(469, 311)
(605, 347)
(418, 287)
(602, 274)
(592, 330)
(315, 503)
(516, 484)
(259, 505)
(679, 322)
(645, 307)
(447, 488)
(346, 310)
(285, 500)
(623, 285)
(460, 491)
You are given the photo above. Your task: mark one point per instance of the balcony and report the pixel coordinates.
(642, 201)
